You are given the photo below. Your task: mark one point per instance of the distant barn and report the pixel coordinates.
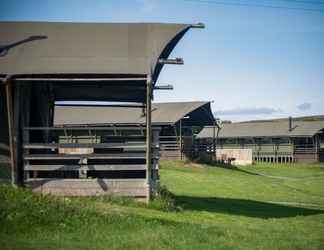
(271, 141)
(42, 63)
(179, 121)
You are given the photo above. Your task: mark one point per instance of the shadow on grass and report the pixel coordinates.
(230, 167)
(249, 208)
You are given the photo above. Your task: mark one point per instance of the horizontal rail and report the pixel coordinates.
(174, 136)
(84, 156)
(62, 180)
(97, 167)
(169, 142)
(43, 79)
(88, 145)
(87, 128)
(4, 147)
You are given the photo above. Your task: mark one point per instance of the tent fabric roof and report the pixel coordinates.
(162, 114)
(88, 48)
(265, 129)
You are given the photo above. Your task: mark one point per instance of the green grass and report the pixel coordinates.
(254, 207)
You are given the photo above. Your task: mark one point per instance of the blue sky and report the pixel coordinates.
(252, 62)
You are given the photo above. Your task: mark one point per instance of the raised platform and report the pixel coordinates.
(136, 188)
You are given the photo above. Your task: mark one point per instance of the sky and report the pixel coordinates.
(251, 62)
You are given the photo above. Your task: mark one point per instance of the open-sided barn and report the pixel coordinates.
(178, 122)
(43, 62)
(270, 141)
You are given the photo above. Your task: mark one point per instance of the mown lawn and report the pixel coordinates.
(255, 207)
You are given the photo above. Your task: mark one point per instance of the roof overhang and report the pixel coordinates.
(163, 114)
(85, 56)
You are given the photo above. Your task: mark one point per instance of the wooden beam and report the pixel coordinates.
(177, 60)
(127, 146)
(148, 134)
(44, 79)
(96, 167)
(89, 187)
(8, 87)
(83, 128)
(181, 145)
(17, 118)
(125, 155)
(163, 87)
(198, 26)
(103, 106)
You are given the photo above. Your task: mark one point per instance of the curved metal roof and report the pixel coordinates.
(265, 129)
(87, 48)
(162, 114)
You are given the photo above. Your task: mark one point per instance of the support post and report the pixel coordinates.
(214, 141)
(8, 87)
(155, 167)
(180, 134)
(17, 113)
(148, 134)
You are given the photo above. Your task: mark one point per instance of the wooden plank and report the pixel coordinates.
(98, 191)
(8, 87)
(126, 145)
(44, 79)
(89, 187)
(97, 167)
(90, 182)
(90, 156)
(4, 147)
(85, 128)
(149, 93)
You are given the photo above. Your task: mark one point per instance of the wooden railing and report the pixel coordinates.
(174, 147)
(305, 149)
(78, 155)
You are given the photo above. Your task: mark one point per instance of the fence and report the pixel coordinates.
(82, 161)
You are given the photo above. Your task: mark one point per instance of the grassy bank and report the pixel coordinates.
(256, 207)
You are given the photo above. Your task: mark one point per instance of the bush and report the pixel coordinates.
(164, 200)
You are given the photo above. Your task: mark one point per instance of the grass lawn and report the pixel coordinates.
(265, 206)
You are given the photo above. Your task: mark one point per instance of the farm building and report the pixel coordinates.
(271, 141)
(178, 122)
(42, 63)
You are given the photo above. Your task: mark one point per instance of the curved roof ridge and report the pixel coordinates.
(87, 48)
(170, 113)
(267, 129)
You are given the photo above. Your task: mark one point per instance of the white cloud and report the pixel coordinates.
(248, 111)
(148, 5)
(304, 106)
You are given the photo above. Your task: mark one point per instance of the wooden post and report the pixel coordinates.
(8, 86)
(180, 134)
(148, 135)
(155, 168)
(17, 134)
(214, 141)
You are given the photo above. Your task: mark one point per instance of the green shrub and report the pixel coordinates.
(164, 200)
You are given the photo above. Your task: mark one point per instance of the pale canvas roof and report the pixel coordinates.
(265, 129)
(162, 113)
(88, 48)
